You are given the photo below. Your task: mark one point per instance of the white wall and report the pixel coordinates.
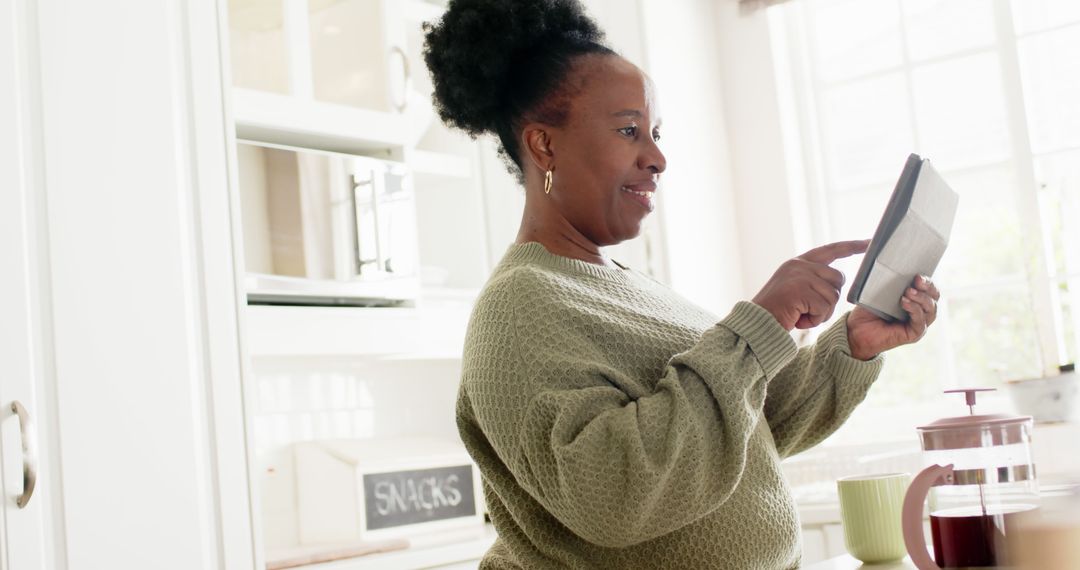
(773, 220)
(697, 198)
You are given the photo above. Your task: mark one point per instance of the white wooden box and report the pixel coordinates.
(354, 490)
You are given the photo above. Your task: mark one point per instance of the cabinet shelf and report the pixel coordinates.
(291, 121)
(380, 333)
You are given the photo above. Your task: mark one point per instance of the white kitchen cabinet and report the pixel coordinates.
(24, 500)
(305, 78)
(118, 293)
(347, 76)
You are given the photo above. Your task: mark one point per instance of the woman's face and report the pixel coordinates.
(606, 160)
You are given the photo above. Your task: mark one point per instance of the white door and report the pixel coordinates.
(117, 291)
(22, 493)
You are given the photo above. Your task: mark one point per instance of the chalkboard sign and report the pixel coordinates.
(399, 498)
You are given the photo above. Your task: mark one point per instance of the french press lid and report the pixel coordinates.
(974, 430)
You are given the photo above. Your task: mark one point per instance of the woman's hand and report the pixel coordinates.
(869, 335)
(804, 291)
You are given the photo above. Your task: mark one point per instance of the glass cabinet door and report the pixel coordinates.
(345, 52)
(356, 57)
(257, 45)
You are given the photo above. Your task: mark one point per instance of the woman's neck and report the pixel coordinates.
(560, 239)
(569, 249)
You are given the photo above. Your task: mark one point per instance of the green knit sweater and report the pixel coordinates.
(617, 425)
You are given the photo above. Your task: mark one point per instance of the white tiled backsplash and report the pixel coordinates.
(302, 399)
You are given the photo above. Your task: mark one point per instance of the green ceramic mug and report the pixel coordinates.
(870, 507)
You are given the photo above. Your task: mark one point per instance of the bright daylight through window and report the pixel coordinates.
(987, 90)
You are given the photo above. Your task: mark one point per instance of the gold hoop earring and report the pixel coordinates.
(547, 182)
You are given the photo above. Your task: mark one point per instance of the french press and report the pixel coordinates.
(980, 480)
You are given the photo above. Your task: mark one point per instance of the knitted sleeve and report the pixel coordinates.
(814, 394)
(617, 468)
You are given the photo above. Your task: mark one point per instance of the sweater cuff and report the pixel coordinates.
(834, 343)
(770, 343)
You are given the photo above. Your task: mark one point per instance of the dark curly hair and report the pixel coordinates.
(497, 64)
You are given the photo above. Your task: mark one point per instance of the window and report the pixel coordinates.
(988, 91)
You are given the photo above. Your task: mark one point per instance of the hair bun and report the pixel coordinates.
(473, 50)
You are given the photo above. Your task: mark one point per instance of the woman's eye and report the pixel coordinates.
(656, 136)
(629, 131)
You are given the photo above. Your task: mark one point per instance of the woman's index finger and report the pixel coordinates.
(830, 252)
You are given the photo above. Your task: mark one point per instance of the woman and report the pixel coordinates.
(616, 425)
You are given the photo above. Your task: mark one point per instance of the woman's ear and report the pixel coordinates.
(536, 140)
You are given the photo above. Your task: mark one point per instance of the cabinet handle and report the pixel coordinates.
(366, 245)
(29, 453)
(401, 105)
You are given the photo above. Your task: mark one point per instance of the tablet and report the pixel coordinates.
(910, 239)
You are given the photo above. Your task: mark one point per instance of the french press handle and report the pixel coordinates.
(911, 516)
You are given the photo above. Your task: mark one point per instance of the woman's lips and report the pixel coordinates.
(642, 193)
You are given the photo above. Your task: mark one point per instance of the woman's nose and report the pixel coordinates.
(653, 159)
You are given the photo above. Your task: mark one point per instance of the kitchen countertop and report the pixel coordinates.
(846, 562)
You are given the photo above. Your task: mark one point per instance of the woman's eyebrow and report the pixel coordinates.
(634, 113)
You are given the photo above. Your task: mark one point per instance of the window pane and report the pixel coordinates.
(1032, 15)
(1063, 297)
(1058, 178)
(993, 337)
(960, 111)
(1069, 300)
(867, 131)
(907, 394)
(1050, 66)
(942, 27)
(855, 214)
(915, 371)
(854, 37)
(987, 238)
